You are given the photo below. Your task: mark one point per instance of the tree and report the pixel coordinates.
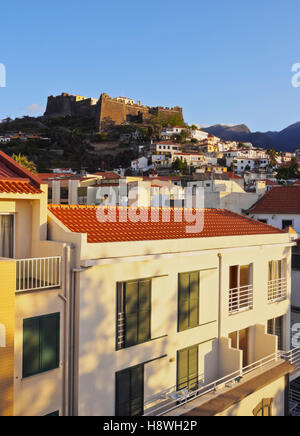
(179, 165)
(25, 163)
(273, 155)
(289, 172)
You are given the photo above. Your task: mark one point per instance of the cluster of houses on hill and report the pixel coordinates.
(204, 151)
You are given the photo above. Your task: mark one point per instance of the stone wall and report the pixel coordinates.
(107, 112)
(111, 112)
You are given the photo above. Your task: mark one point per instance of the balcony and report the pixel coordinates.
(277, 290)
(240, 299)
(176, 403)
(38, 273)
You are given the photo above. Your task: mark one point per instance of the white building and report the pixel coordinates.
(169, 132)
(140, 165)
(279, 207)
(192, 159)
(161, 314)
(164, 147)
(198, 134)
(241, 164)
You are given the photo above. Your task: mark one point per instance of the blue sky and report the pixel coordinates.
(223, 61)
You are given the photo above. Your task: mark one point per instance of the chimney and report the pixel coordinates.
(73, 191)
(56, 192)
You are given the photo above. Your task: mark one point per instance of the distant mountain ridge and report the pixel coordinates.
(286, 140)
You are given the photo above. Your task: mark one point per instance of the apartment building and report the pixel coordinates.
(32, 298)
(192, 159)
(165, 147)
(166, 320)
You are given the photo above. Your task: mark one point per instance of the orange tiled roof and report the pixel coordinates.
(18, 187)
(217, 222)
(280, 200)
(16, 179)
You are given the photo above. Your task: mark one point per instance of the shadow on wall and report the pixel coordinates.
(7, 375)
(98, 350)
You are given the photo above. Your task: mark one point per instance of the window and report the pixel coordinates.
(188, 301)
(56, 413)
(263, 221)
(187, 368)
(240, 292)
(296, 258)
(287, 223)
(264, 408)
(40, 344)
(7, 236)
(275, 327)
(130, 392)
(133, 313)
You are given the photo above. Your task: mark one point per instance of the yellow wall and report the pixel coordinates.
(275, 391)
(7, 319)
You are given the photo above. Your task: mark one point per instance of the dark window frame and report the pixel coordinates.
(190, 380)
(41, 368)
(121, 305)
(130, 370)
(179, 307)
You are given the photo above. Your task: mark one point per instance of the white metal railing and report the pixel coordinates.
(163, 403)
(277, 290)
(240, 299)
(121, 330)
(292, 356)
(169, 404)
(38, 273)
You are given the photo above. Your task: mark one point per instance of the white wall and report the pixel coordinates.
(276, 219)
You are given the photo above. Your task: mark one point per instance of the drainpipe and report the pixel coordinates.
(66, 356)
(67, 251)
(220, 294)
(73, 347)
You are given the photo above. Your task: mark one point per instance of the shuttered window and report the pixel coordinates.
(40, 344)
(188, 301)
(133, 313)
(130, 391)
(187, 368)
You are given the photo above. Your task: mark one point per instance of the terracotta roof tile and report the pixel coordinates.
(17, 187)
(280, 200)
(217, 222)
(16, 179)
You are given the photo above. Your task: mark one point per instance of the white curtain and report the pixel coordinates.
(7, 236)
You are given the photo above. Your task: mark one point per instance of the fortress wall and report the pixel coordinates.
(113, 112)
(107, 112)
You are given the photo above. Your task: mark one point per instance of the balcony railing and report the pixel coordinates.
(171, 399)
(121, 330)
(240, 299)
(38, 273)
(277, 290)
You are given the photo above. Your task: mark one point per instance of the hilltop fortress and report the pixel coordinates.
(106, 110)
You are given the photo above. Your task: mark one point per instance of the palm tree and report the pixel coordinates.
(25, 163)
